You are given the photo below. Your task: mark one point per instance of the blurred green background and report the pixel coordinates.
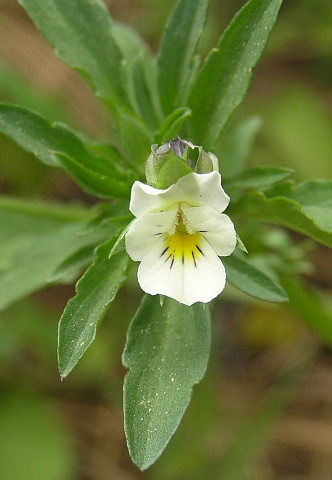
(264, 410)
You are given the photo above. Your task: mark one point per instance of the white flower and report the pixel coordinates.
(178, 235)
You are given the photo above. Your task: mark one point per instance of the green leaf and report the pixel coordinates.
(236, 145)
(257, 177)
(315, 197)
(287, 213)
(225, 76)
(142, 74)
(81, 33)
(135, 139)
(247, 277)
(172, 124)
(95, 291)
(120, 243)
(36, 135)
(56, 145)
(69, 269)
(145, 91)
(309, 307)
(95, 181)
(167, 352)
(35, 238)
(177, 49)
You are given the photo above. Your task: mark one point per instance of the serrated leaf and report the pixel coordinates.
(225, 76)
(95, 291)
(285, 212)
(248, 278)
(81, 33)
(257, 177)
(177, 49)
(167, 352)
(58, 146)
(35, 237)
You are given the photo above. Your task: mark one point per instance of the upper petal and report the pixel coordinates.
(145, 198)
(204, 189)
(193, 189)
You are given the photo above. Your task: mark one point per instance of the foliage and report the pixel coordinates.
(150, 100)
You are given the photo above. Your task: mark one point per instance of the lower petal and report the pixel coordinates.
(187, 280)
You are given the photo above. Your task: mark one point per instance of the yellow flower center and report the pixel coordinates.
(184, 244)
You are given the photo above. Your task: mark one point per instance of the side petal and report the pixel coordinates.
(188, 281)
(216, 228)
(146, 231)
(204, 189)
(145, 198)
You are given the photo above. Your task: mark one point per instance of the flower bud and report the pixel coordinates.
(175, 159)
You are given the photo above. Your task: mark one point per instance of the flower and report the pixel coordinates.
(178, 235)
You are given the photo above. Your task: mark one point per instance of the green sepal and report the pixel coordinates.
(173, 169)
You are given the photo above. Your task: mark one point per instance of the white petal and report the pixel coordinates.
(217, 229)
(193, 189)
(186, 281)
(145, 198)
(146, 231)
(204, 189)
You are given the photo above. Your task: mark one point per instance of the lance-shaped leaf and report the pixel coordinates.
(95, 291)
(142, 74)
(225, 76)
(257, 177)
(313, 220)
(135, 139)
(236, 145)
(172, 124)
(177, 49)
(57, 145)
(145, 91)
(94, 180)
(315, 197)
(81, 33)
(167, 352)
(35, 237)
(247, 277)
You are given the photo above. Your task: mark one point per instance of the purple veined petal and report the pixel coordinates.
(196, 278)
(146, 231)
(217, 229)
